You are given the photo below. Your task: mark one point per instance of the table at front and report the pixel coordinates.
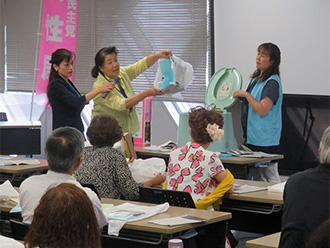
(258, 211)
(238, 166)
(214, 217)
(15, 173)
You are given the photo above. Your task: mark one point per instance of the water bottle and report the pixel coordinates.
(175, 243)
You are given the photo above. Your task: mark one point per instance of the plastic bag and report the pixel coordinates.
(146, 169)
(173, 75)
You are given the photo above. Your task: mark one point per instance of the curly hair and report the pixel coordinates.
(64, 218)
(104, 130)
(199, 117)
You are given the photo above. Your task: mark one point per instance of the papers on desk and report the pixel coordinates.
(19, 162)
(185, 219)
(7, 190)
(247, 154)
(278, 188)
(241, 189)
(166, 147)
(127, 212)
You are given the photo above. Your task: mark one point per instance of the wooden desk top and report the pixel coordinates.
(229, 160)
(263, 196)
(269, 241)
(22, 169)
(144, 225)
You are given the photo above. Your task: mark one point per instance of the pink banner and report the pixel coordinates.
(59, 30)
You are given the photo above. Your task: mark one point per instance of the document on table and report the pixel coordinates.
(241, 189)
(19, 162)
(184, 219)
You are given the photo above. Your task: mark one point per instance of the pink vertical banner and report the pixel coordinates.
(59, 30)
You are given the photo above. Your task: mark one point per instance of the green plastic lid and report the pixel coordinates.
(222, 86)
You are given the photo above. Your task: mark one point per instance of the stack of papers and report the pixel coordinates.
(166, 147)
(185, 219)
(19, 161)
(241, 189)
(278, 188)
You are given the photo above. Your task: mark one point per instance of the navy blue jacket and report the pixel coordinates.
(67, 104)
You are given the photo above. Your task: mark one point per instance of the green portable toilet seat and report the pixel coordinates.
(219, 93)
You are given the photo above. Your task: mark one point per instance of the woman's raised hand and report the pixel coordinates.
(107, 87)
(154, 92)
(164, 54)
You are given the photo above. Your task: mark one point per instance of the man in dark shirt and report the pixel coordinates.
(306, 200)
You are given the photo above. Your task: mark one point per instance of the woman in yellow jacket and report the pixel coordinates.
(120, 103)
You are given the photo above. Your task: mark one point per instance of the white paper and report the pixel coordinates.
(241, 189)
(19, 161)
(7, 190)
(147, 211)
(185, 219)
(279, 188)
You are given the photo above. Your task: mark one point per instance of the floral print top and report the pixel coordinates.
(192, 169)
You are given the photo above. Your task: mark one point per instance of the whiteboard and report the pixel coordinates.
(300, 28)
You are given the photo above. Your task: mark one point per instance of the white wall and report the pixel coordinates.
(301, 29)
(163, 127)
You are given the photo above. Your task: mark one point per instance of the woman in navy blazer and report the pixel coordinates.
(64, 98)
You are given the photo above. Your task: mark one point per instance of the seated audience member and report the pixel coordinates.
(64, 218)
(306, 199)
(64, 149)
(104, 166)
(320, 238)
(195, 169)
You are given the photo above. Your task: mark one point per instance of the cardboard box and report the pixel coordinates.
(144, 109)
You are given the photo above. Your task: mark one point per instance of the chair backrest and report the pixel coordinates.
(159, 196)
(18, 229)
(3, 116)
(129, 151)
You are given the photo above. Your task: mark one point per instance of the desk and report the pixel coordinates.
(269, 241)
(15, 173)
(170, 231)
(238, 166)
(259, 211)
(26, 134)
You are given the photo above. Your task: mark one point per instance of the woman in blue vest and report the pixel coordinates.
(261, 114)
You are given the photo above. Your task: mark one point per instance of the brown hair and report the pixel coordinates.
(104, 130)
(64, 218)
(199, 117)
(274, 56)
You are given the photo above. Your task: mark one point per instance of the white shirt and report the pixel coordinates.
(33, 188)
(10, 243)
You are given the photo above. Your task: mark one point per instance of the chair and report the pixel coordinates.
(129, 151)
(18, 229)
(3, 116)
(159, 196)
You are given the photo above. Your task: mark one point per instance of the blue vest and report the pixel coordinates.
(266, 130)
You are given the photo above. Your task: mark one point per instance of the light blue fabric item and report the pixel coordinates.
(266, 130)
(166, 69)
(16, 209)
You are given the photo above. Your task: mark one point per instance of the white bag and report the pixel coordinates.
(146, 169)
(183, 75)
